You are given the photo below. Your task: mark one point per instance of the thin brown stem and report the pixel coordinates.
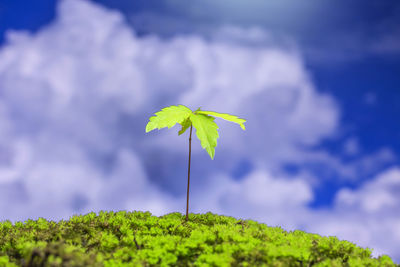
(187, 194)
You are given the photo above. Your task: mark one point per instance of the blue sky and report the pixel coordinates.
(318, 84)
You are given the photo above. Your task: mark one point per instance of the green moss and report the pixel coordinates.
(140, 239)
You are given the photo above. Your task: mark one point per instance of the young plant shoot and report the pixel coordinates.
(206, 128)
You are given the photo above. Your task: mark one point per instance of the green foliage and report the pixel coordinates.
(224, 116)
(206, 128)
(140, 239)
(168, 117)
(185, 125)
(206, 131)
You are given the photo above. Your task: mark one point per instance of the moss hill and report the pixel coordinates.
(140, 239)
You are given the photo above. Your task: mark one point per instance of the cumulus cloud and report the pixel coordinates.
(352, 170)
(65, 92)
(376, 195)
(78, 92)
(274, 199)
(76, 96)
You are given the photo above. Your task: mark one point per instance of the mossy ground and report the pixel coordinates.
(140, 239)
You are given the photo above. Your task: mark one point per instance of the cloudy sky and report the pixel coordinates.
(317, 82)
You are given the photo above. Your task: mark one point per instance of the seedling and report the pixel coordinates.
(206, 128)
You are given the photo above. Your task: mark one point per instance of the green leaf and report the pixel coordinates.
(185, 124)
(206, 128)
(224, 116)
(206, 131)
(168, 117)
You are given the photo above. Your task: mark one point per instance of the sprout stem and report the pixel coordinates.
(187, 195)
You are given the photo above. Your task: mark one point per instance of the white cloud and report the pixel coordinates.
(64, 91)
(354, 170)
(75, 98)
(378, 194)
(273, 199)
